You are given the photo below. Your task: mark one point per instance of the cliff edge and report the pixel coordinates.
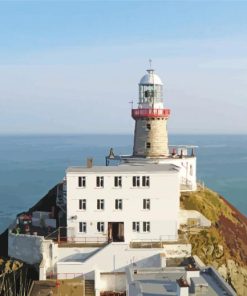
(224, 244)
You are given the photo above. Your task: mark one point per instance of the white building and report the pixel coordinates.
(123, 203)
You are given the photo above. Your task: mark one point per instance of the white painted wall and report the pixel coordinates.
(113, 257)
(111, 282)
(42, 270)
(25, 247)
(182, 291)
(163, 194)
(184, 215)
(192, 274)
(187, 171)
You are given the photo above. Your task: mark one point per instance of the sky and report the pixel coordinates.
(74, 66)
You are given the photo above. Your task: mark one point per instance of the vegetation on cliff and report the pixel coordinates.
(224, 244)
(15, 277)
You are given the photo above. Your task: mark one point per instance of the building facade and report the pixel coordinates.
(123, 203)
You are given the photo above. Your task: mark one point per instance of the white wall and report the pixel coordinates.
(163, 193)
(74, 253)
(113, 257)
(111, 282)
(27, 248)
(184, 215)
(187, 171)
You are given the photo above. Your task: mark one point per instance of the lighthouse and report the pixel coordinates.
(150, 139)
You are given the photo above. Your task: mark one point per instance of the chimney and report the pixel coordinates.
(89, 163)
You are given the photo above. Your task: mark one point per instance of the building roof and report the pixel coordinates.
(163, 281)
(127, 168)
(150, 78)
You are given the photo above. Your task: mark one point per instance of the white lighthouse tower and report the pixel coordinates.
(150, 117)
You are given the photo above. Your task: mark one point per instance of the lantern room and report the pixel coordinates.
(150, 91)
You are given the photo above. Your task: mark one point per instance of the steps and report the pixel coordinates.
(89, 288)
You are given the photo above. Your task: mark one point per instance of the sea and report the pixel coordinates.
(30, 165)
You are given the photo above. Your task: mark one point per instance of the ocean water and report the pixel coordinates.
(31, 165)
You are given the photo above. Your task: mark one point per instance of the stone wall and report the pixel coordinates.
(156, 135)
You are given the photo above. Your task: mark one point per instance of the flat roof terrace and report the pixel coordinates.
(127, 168)
(163, 281)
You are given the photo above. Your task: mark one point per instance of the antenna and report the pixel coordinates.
(150, 64)
(131, 102)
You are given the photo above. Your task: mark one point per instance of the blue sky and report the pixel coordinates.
(73, 66)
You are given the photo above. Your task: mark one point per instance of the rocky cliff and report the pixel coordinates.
(224, 244)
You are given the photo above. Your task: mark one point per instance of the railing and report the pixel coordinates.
(64, 275)
(137, 113)
(64, 236)
(84, 240)
(158, 243)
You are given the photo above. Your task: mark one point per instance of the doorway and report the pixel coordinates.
(116, 231)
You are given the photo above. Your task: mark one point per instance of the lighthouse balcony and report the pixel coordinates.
(150, 113)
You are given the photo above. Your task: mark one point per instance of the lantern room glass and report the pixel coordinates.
(150, 93)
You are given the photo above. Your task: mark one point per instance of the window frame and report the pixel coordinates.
(82, 181)
(100, 181)
(136, 181)
(145, 181)
(146, 204)
(146, 227)
(118, 204)
(136, 226)
(100, 204)
(82, 227)
(82, 204)
(101, 227)
(117, 181)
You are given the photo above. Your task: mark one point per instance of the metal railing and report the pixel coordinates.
(158, 243)
(64, 275)
(63, 236)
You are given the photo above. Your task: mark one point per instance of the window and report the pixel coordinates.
(99, 181)
(146, 204)
(100, 226)
(81, 181)
(118, 204)
(82, 227)
(145, 181)
(118, 181)
(136, 181)
(100, 204)
(148, 126)
(136, 226)
(148, 145)
(146, 226)
(82, 204)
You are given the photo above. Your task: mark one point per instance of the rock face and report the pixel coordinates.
(224, 244)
